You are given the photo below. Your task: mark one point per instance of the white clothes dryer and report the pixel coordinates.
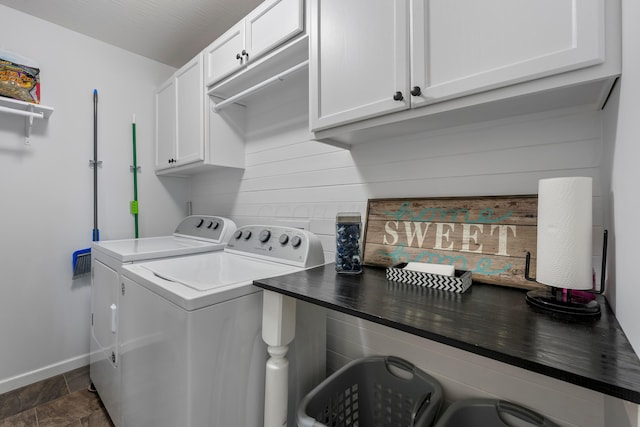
(194, 234)
(192, 352)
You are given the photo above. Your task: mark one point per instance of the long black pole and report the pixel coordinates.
(96, 233)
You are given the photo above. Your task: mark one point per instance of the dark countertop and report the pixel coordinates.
(492, 321)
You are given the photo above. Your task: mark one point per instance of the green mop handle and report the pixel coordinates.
(134, 203)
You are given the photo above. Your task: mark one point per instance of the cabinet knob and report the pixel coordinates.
(239, 57)
(245, 54)
(416, 91)
(398, 96)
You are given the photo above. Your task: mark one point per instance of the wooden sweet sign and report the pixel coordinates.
(489, 236)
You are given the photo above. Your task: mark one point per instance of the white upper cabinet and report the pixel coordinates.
(465, 46)
(266, 27)
(180, 117)
(359, 60)
(190, 115)
(190, 137)
(272, 23)
(224, 55)
(372, 58)
(165, 124)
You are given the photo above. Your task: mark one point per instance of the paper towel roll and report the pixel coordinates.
(564, 232)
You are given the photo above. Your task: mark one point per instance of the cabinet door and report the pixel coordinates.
(190, 105)
(358, 60)
(165, 124)
(460, 47)
(272, 23)
(221, 55)
(104, 291)
(104, 356)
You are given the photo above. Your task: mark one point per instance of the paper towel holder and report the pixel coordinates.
(564, 300)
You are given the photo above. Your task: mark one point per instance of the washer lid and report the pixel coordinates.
(130, 250)
(197, 281)
(210, 271)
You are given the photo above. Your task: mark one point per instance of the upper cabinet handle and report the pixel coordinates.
(416, 91)
(245, 54)
(239, 57)
(398, 96)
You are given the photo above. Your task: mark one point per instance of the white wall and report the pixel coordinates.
(46, 190)
(622, 135)
(289, 176)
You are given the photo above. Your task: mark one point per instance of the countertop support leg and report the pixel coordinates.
(278, 330)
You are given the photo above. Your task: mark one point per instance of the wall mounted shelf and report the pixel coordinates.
(27, 110)
(253, 89)
(273, 67)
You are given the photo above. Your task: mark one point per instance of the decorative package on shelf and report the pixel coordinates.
(458, 283)
(19, 77)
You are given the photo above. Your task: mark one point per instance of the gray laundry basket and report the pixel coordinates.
(377, 391)
(490, 413)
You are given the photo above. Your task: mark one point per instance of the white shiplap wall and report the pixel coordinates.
(289, 176)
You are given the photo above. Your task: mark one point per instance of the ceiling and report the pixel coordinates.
(169, 31)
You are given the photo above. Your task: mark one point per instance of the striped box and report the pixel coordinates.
(458, 283)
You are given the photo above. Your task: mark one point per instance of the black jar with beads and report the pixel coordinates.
(348, 226)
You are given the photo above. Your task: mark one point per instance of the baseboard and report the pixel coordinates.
(34, 376)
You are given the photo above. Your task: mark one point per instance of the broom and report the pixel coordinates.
(134, 202)
(82, 257)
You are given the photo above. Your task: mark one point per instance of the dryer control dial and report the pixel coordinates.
(287, 245)
(265, 235)
(204, 227)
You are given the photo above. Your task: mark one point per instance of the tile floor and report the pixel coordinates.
(63, 400)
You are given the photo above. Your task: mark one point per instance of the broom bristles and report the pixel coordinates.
(81, 263)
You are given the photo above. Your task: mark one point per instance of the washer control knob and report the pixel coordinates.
(200, 223)
(216, 224)
(247, 235)
(265, 235)
(237, 234)
(284, 239)
(296, 241)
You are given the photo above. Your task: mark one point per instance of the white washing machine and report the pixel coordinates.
(194, 234)
(192, 352)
